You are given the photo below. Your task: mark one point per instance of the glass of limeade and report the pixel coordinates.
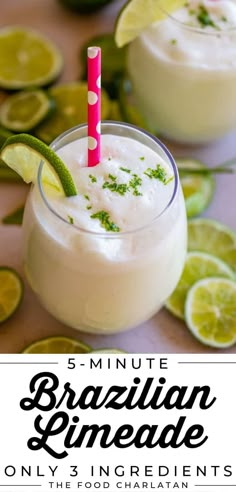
(183, 71)
(107, 259)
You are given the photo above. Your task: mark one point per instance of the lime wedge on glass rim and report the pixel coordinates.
(198, 189)
(210, 312)
(212, 237)
(136, 15)
(11, 292)
(24, 153)
(57, 345)
(197, 266)
(27, 59)
(24, 110)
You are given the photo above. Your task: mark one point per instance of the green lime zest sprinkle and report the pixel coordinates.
(121, 188)
(134, 183)
(113, 178)
(125, 169)
(89, 207)
(204, 17)
(105, 221)
(93, 178)
(141, 158)
(71, 220)
(173, 41)
(86, 197)
(158, 173)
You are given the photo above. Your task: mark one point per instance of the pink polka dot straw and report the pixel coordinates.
(94, 105)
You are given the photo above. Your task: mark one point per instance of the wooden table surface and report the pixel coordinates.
(163, 333)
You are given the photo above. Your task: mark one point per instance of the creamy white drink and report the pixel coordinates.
(107, 259)
(183, 71)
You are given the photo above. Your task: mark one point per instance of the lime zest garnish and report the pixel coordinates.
(105, 221)
(125, 170)
(71, 220)
(93, 178)
(158, 173)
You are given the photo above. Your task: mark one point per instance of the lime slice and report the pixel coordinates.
(27, 59)
(211, 312)
(198, 189)
(23, 153)
(85, 6)
(197, 266)
(108, 351)
(15, 217)
(57, 345)
(11, 292)
(214, 238)
(24, 110)
(71, 110)
(136, 15)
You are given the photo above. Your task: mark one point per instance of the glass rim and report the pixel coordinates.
(111, 234)
(217, 33)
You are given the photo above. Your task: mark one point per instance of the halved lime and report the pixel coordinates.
(57, 345)
(27, 59)
(212, 237)
(24, 110)
(11, 292)
(136, 15)
(23, 153)
(71, 110)
(108, 351)
(211, 312)
(198, 189)
(197, 266)
(85, 6)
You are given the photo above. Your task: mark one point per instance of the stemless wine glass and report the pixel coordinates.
(184, 79)
(103, 282)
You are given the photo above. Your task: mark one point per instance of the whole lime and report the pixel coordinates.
(85, 6)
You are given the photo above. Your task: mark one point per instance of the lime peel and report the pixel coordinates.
(23, 153)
